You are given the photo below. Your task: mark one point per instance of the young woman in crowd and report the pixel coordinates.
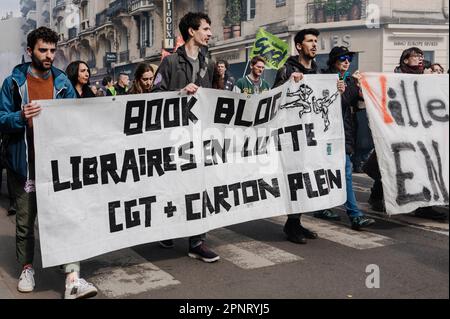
(79, 74)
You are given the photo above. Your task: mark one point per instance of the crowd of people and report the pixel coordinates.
(187, 69)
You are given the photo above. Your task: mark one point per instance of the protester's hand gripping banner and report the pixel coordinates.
(409, 117)
(118, 172)
(274, 50)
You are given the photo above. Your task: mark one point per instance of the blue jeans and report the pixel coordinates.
(350, 205)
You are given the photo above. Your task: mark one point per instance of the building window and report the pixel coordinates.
(144, 32)
(84, 24)
(200, 5)
(84, 12)
(280, 3)
(147, 31)
(251, 9)
(428, 56)
(151, 31)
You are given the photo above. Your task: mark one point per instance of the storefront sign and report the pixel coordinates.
(168, 25)
(329, 42)
(231, 57)
(415, 43)
(110, 57)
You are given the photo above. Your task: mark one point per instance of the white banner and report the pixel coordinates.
(118, 172)
(409, 117)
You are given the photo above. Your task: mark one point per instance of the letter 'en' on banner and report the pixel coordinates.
(112, 173)
(409, 120)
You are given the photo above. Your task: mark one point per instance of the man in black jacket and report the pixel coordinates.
(339, 62)
(223, 80)
(121, 87)
(187, 70)
(189, 67)
(296, 66)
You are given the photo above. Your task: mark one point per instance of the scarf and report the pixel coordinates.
(417, 69)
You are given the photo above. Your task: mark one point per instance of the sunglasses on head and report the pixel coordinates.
(346, 57)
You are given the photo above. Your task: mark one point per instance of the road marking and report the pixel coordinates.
(401, 219)
(126, 273)
(360, 188)
(409, 221)
(5, 293)
(341, 234)
(246, 252)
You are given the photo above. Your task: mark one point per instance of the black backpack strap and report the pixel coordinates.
(4, 137)
(4, 144)
(289, 70)
(17, 99)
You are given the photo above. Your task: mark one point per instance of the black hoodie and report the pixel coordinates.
(293, 65)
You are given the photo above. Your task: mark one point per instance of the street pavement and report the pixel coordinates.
(411, 254)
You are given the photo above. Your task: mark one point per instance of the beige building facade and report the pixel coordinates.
(114, 36)
(11, 54)
(379, 30)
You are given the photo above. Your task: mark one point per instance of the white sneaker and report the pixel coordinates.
(80, 289)
(26, 280)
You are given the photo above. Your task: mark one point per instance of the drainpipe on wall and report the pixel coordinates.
(445, 8)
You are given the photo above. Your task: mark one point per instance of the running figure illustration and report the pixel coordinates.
(308, 103)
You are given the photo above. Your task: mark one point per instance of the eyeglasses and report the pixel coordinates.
(349, 58)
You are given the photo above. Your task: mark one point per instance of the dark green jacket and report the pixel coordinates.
(246, 85)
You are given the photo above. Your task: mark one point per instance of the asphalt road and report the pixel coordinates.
(399, 257)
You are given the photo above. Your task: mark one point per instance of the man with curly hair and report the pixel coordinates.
(30, 82)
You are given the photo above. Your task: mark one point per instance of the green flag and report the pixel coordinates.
(271, 48)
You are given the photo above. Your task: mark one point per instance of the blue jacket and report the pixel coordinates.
(13, 96)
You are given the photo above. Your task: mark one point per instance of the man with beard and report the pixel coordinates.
(253, 83)
(29, 82)
(296, 66)
(223, 80)
(187, 70)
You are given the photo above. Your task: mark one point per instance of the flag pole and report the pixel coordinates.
(245, 72)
